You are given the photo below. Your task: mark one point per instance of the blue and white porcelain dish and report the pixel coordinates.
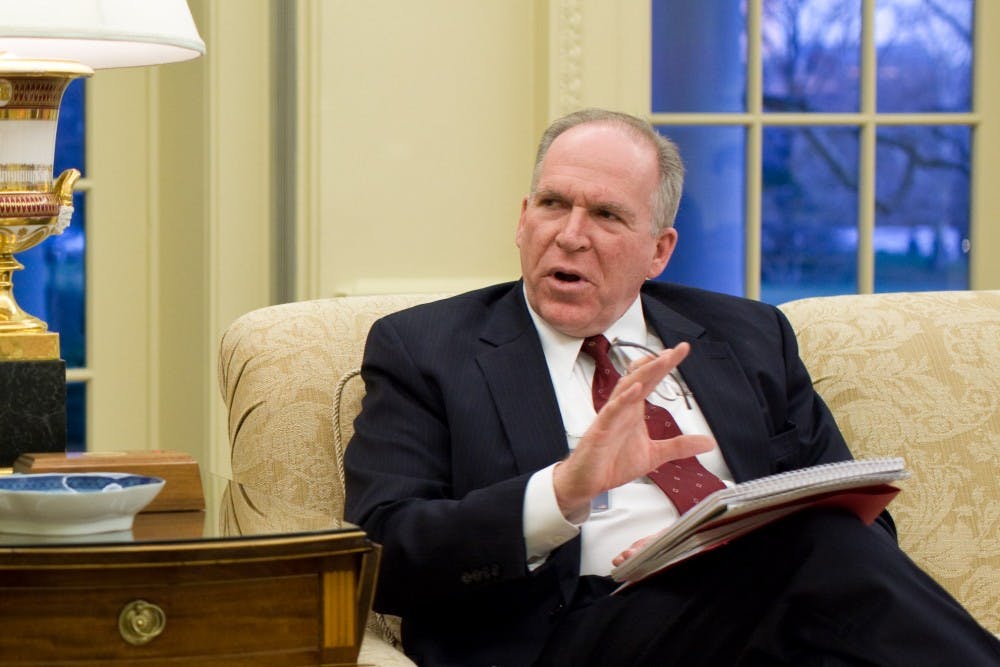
(73, 503)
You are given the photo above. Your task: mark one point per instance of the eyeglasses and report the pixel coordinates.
(670, 388)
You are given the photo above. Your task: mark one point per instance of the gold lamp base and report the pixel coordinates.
(32, 206)
(27, 219)
(29, 347)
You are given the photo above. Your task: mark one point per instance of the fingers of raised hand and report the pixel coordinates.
(682, 446)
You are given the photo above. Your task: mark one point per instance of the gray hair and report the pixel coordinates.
(667, 197)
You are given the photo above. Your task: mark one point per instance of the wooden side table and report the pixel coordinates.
(298, 598)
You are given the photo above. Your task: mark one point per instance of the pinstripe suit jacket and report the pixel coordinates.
(460, 411)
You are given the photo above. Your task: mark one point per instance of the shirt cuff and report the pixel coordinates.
(545, 527)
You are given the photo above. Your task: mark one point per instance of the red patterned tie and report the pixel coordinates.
(685, 481)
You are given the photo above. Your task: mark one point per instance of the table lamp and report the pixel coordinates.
(44, 45)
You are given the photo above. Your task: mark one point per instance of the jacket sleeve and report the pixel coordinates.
(818, 430)
(806, 411)
(401, 488)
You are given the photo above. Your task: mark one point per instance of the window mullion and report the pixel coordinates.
(866, 152)
(754, 152)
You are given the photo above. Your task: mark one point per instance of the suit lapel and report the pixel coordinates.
(721, 388)
(518, 378)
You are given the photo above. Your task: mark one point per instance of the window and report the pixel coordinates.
(52, 284)
(828, 143)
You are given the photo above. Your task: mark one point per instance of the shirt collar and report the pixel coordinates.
(561, 351)
(631, 326)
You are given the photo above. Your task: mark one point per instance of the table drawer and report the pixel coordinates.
(239, 616)
(235, 605)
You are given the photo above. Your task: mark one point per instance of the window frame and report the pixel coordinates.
(867, 120)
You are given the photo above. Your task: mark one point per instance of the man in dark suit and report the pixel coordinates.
(503, 491)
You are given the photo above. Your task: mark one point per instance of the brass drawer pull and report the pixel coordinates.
(140, 622)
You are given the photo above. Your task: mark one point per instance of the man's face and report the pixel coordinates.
(584, 234)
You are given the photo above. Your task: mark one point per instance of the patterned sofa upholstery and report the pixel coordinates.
(916, 375)
(912, 375)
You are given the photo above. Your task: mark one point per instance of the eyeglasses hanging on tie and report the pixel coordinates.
(670, 388)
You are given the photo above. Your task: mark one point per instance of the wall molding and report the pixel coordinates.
(569, 63)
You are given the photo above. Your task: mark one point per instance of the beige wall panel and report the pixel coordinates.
(240, 159)
(182, 258)
(424, 127)
(239, 170)
(215, 214)
(598, 56)
(119, 274)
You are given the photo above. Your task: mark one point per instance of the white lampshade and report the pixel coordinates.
(100, 33)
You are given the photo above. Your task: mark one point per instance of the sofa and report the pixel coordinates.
(916, 375)
(906, 374)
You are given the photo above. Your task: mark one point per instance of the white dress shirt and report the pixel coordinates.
(634, 510)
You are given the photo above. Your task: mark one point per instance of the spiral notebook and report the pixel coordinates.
(863, 487)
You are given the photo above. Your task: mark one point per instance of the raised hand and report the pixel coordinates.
(617, 448)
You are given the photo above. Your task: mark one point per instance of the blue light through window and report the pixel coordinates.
(53, 281)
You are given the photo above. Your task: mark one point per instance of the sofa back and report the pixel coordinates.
(916, 375)
(288, 377)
